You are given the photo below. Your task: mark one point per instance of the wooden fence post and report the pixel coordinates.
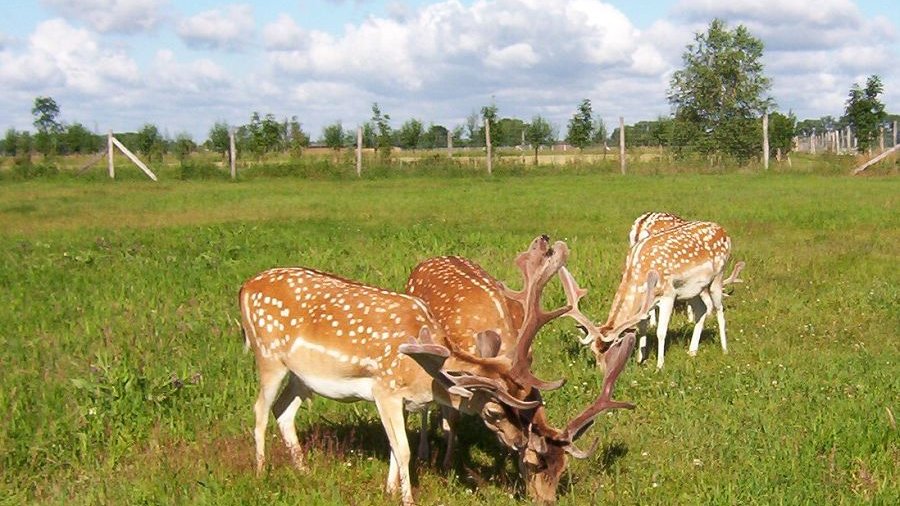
(622, 144)
(881, 138)
(232, 155)
(449, 144)
(358, 151)
(111, 166)
(812, 142)
(895, 132)
(487, 138)
(765, 125)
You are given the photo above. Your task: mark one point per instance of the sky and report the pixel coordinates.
(183, 65)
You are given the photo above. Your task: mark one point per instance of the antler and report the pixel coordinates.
(616, 358)
(431, 358)
(535, 317)
(573, 296)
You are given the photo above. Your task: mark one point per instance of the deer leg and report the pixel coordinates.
(450, 421)
(716, 292)
(666, 304)
(642, 343)
(701, 305)
(390, 409)
(270, 376)
(285, 410)
(424, 451)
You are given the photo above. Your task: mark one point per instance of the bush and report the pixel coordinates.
(199, 170)
(25, 169)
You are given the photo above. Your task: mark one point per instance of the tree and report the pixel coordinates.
(45, 112)
(150, 142)
(782, 129)
(383, 134)
(473, 129)
(718, 95)
(297, 139)
(184, 145)
(78, 139)
(218, 138)
(333, 135)
(538, 133)
(599, 135)
(865, 112)
(581, 125)
(10, 142)
(489, 117)
(410, 134)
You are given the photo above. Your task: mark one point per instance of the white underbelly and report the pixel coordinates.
(343, 389)
(692, 282)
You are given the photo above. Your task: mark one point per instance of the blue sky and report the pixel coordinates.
(183, 65)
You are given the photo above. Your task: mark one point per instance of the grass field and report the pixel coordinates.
(124, 379)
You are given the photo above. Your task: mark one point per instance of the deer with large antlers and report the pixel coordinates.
(348, 341)
(481, 315)
(685, 262)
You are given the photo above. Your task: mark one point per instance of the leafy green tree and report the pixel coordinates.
(538, 133)
(865, 112)
(150, 142)
(410, 134)
(184, 146)
(507, 132)
(581, 125)
(297, 139)
(719, 94)
(78, 139)
(599, 135)
(434, 137)
(46, 112)
(782, 129)
(10, 142)
(218, 138)
(333, 136)
(383, 131)
(271, 134)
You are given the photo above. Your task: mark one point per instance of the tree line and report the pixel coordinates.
(717, 99)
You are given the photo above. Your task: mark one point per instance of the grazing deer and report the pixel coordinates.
(348, 341)
(480, 315)
(686, 262)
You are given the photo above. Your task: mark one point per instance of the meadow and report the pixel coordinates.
(124, 379)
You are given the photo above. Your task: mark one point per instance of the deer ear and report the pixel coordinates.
(487, 344)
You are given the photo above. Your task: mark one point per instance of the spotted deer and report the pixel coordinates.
(685, 262)
(481, 315)
(348, 341)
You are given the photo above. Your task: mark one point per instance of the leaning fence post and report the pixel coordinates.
(487, 140)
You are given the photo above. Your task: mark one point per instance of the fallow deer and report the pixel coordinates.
(686, 261)
(481, 315)
(348, 341)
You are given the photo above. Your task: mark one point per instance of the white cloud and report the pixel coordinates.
(230, 28)
(61, 55)
(112, 15)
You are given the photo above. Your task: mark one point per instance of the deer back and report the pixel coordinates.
(340, 337)
(685, 259)
(465, 300)
(652, 223)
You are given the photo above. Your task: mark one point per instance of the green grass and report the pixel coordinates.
(125, 381)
